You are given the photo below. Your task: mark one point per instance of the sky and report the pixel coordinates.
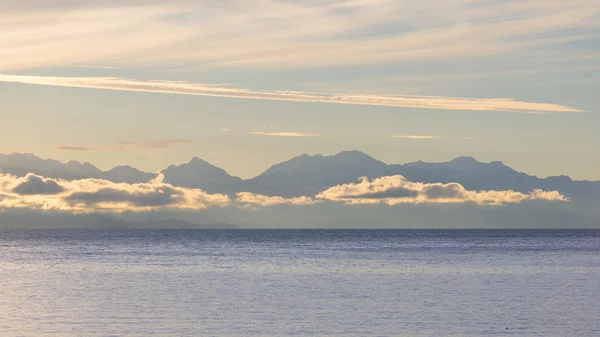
(246, 84)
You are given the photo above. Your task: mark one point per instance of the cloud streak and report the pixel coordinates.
(424, 137)
(284, 134)
(199, 89)
(95, 67)
(85, 148)
(394, 190)
(102, 196)
(418, 137)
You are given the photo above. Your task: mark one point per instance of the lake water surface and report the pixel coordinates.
(299, 282)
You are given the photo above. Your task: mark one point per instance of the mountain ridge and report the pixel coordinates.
(198, 159)
(306, 175)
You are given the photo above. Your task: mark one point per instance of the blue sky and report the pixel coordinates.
(134, 82)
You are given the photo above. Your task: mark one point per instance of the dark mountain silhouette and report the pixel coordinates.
(475, 175)
(308, 175)
(201, 174)
(127, 174)
(20, 164)
(470, 173)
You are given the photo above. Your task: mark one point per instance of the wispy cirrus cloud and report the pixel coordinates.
(273, 33)
(160, 144)
(284, 134)
(394, 190)
(199, 89)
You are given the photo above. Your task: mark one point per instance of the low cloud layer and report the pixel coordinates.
(199, 89)
(395, 190)
(36, 185)
(159, 144)
(95, 195)
(249, 200)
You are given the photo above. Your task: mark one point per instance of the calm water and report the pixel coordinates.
(304, 283)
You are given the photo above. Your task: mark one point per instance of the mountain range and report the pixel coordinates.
(307, 175)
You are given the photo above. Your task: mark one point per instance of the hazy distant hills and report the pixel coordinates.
(126, 174)
(20, 164)
(309, 175)
(475, 175)
(201, 174)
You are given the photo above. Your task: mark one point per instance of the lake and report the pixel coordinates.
(299, 282)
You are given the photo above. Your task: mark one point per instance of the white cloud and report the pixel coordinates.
(249, 200)
(187, 88)
(95, 195)
(395, 190)
(284, 134)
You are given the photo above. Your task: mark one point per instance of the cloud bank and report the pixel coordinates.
(199, 89)
(95, 195)
(102, 196)
(394, 190)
